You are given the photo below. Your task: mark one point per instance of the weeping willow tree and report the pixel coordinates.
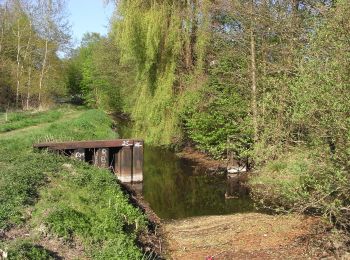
(165, 41)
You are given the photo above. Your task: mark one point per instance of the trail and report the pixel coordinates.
(28, 129)
(239, 236)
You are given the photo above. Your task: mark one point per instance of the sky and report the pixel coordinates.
(88, 16)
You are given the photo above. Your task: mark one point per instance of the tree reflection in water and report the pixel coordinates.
(177, 188)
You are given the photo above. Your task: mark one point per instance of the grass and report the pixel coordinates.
(71, 200)
(26, 250)
(21, 120)
(303, 181)
(280, 183)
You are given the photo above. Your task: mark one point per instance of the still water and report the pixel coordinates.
(178, 188)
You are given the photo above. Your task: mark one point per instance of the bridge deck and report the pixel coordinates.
(88, 144)
(123, 156)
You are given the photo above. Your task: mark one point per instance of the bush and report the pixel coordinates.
(218, 113)
(306, 182)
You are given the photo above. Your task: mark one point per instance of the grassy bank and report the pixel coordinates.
(56, 198)
(17, 120)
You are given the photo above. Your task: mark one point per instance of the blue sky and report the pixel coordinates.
(88, 16)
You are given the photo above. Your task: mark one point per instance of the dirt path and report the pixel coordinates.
(239, 236)
(68, 116)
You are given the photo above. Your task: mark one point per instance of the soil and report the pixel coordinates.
(235, 236)
(240, 236)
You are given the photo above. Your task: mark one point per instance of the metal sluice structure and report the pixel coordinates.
(122, 156)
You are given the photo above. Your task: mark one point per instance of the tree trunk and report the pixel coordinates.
(194, 29)
(3, 29)
(18, 64)
(192, 35)
(253, 73)
(43, 70)
(28, 46)
(28, 87)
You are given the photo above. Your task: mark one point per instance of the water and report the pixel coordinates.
(178, 188)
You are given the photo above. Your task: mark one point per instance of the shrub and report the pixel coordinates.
(304, 181)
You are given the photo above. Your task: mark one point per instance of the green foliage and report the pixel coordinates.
(280, 184)
(216, 117)
(25, 250)
(96, 212)
(303, 154)
(302, 181)
(31, 73)
(162, 44)
(74, 77)
(66, 221)
(222, 117)
(91, 73)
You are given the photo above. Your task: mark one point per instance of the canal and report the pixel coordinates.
(178, 188)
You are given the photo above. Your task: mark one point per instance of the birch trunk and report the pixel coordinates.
(28, 87)
(253, 73)
(26, 54)
(3, 29)
(18, 63)
(42, 73)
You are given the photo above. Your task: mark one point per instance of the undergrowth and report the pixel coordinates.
(304, 181)
(68, 199)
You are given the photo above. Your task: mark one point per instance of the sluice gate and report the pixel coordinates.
(122, 156)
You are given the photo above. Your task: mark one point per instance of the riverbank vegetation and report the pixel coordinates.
(265, 81)
(48, 199)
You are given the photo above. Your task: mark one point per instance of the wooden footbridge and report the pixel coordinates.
(122, 156)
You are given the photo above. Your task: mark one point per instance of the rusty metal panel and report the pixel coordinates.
(79, 154)
(117, 166)
(101, 158)
(125, 156)
(125, 164)
(86, 144)
(137, 174)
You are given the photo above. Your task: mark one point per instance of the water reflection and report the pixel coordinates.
(178, 188)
